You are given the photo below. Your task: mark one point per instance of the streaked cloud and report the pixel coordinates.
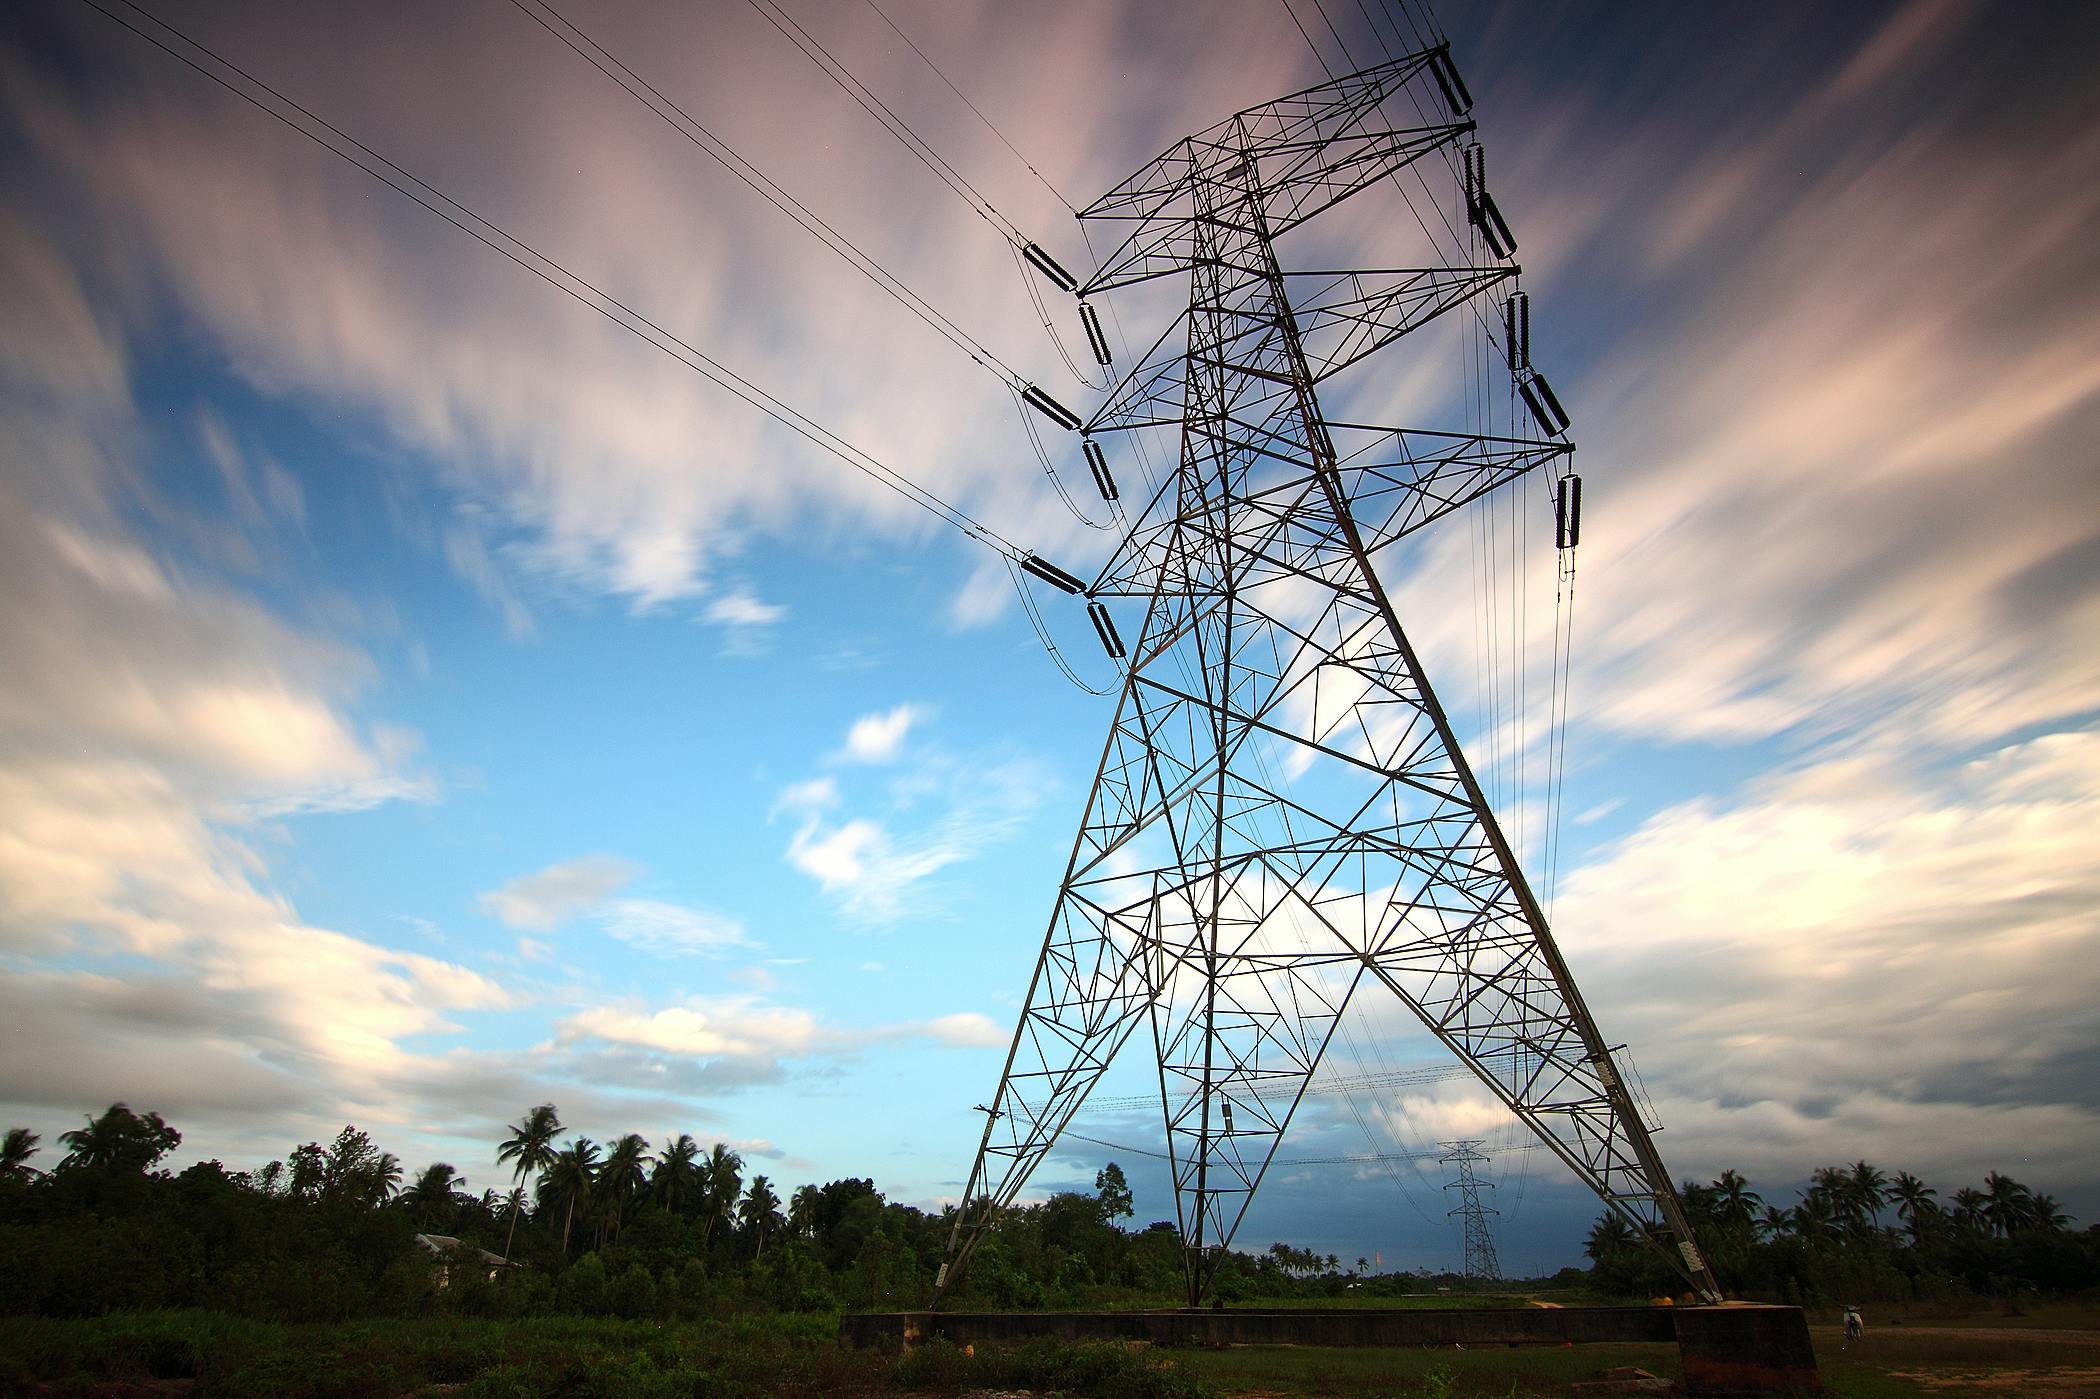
(552, 896)
(742, 608)
(1854, 951)
(671, 930)
(747, 1026)
(880, 867)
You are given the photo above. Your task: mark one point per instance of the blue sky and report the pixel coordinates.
(422, 701)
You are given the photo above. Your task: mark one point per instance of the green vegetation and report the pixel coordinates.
(612, 1269)
(1860, 1235)
(339, 1231)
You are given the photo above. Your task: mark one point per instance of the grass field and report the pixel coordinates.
(2052, 1353)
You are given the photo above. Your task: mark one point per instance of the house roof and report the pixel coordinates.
(444, 1243)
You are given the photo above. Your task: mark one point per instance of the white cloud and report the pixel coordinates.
(550, 897)
(671, 930)
(878, 869)
(468, 553)
(1849, 954)
(583, 888)
(111, 652)
(814, 795)
(742, 608)
(745, 1028)
(738, 1026)
(150, 715)
(967, 1028)
(876, 738)
(602, 464)
(1838, 507)
(838, 858)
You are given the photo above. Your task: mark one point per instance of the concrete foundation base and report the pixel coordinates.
(1733, 1350)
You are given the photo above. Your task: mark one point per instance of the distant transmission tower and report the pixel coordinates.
(1481, 1263)
(1282, 814)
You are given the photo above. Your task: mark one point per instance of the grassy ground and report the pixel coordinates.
(2053, 1353)
(1414, 1301)
(1503, 1373)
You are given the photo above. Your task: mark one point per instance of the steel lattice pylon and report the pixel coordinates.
(1480, 1261)
(1282, 812)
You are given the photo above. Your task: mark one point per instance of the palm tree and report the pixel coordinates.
(1869, 1189)
(1609, 1235)
(758, 1210)
(1735, 1201)
(569, 1178)
(721, 1177)
(530, 1151)
(94, 1144)
(601, 1213)
(2006, 1203)
(1698, 1200)
(511, 1205)
(121, 1140)
(621, 1178)
(15, 1150)
(1914, 1203)
(386, 1178)
(802, 1211)
(675, 1182)
(1814, 1216)
(1774, 1222)
(1969, 1206)
(435, 1195)
(2046, 1213)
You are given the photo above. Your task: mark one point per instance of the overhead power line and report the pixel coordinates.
(1041, 178)
(543, 13)
(1360, 1159)
(681, 121)
(1342, 1084)
(421, 192)
(875, 107)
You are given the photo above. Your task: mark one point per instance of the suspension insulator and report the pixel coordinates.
(1091, 319)
(1047, 265)
(1567, 513)
(1516, 327)
(1456, 97)
(1545, 408)
(1551, 402)
(1487, 217)
(1476, 178)
(1098, 464)
(1053, 575)
(1050, 408)
(1105, 628)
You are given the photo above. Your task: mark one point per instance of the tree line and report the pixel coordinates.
(580, 1226)
(685, 1230)
(1857, 1233)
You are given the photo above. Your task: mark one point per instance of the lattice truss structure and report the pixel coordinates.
(1480, 1263)
(1282, 817)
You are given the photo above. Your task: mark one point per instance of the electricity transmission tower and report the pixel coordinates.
(1282, 817)
(1480, 1263)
